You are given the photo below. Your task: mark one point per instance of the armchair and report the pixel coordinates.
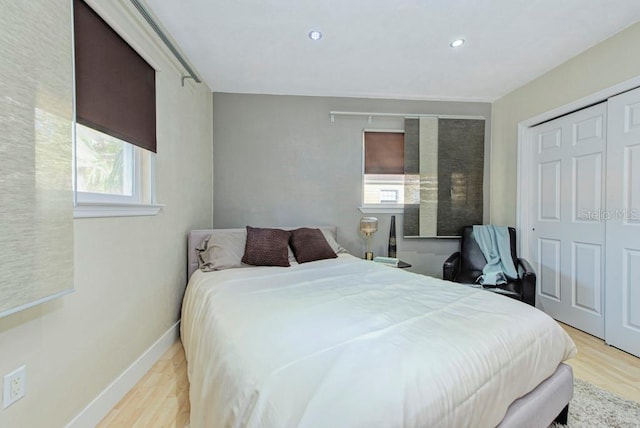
(465, 266)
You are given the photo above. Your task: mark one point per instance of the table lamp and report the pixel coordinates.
(368, 226)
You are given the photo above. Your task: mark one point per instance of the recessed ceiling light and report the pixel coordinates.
(315, 35)
(457, 43)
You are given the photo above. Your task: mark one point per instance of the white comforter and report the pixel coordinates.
(350, 343)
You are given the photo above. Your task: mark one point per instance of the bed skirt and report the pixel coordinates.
(541, 406)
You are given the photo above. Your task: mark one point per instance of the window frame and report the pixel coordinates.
(134, 158)
(383, 207)
(143, 200)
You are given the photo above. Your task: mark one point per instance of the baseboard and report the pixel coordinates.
(100, 406)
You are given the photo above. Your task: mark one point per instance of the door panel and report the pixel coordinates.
(587, 192)
(632, 116)
(587, 260)
(549, 199)
(623, 222)
(568, 235)
(631, 293)
(631, 185)
(551, 139)
(588, 130)
(549, 268)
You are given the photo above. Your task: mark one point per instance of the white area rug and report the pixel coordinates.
(594, 407)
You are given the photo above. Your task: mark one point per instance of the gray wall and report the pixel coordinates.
(280, 161)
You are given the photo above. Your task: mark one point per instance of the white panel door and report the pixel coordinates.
(623, 223)
(567, 233)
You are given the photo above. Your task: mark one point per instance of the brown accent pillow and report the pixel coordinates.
(266, 247)
(309, 245)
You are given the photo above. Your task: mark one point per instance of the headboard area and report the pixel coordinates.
(197, 236)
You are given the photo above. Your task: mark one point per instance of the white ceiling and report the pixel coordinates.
(386, 48)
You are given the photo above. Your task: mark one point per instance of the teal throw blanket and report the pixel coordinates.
(495, 244)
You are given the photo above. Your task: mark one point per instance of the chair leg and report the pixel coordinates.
(563, 417)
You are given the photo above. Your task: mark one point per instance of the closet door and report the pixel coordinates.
(623, 223)
(567, 233)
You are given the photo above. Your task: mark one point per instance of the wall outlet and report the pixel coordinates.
(15, 384)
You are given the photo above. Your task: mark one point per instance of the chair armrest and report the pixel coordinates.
(528, 278)
(451, 267)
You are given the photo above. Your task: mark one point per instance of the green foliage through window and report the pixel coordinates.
(104, 164)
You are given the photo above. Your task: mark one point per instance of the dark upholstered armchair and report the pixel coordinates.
(465, 266)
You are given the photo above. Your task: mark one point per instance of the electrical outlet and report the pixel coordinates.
(14, 386)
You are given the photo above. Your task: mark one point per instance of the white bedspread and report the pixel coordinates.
(350, 343)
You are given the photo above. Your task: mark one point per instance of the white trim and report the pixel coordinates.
(89, 198)
(137, 167)
(524, 189)
(360, 94)
(394, 209)
(397, 131)
(583, 102)
(74, 116)
(100, 406)
(151, 178)
(370, 115)
(94, 210)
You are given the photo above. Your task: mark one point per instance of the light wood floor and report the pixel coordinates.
(161, 398)
(605, 366)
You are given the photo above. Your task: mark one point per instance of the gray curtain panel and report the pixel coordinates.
(444, 166)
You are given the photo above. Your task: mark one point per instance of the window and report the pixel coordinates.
(383, 175)
(109, 170)
(104, 165)
(115, 130)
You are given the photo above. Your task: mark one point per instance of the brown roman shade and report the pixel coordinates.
(383, 153)
(115, 87)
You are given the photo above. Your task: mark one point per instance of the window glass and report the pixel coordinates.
(383, 177)
(383, 189)
(104, 164)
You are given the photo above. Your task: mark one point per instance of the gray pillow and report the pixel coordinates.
(337, 248)
(223, 249)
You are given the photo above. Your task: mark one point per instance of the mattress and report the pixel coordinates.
(346, 342)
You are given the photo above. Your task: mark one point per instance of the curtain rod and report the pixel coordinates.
(333, 114)
(147, 16)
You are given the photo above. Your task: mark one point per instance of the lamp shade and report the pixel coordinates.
(368, 225)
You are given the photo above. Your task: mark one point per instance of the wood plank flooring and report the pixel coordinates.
(161, 398)
(605, 366)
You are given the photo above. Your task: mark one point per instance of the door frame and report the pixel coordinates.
(524, 187)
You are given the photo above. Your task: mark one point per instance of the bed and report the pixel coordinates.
(347, 342)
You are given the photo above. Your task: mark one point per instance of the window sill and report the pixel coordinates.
(96, 210)
(381, 209)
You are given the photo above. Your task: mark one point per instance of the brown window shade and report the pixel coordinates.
(383, 153)
(115, 87)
